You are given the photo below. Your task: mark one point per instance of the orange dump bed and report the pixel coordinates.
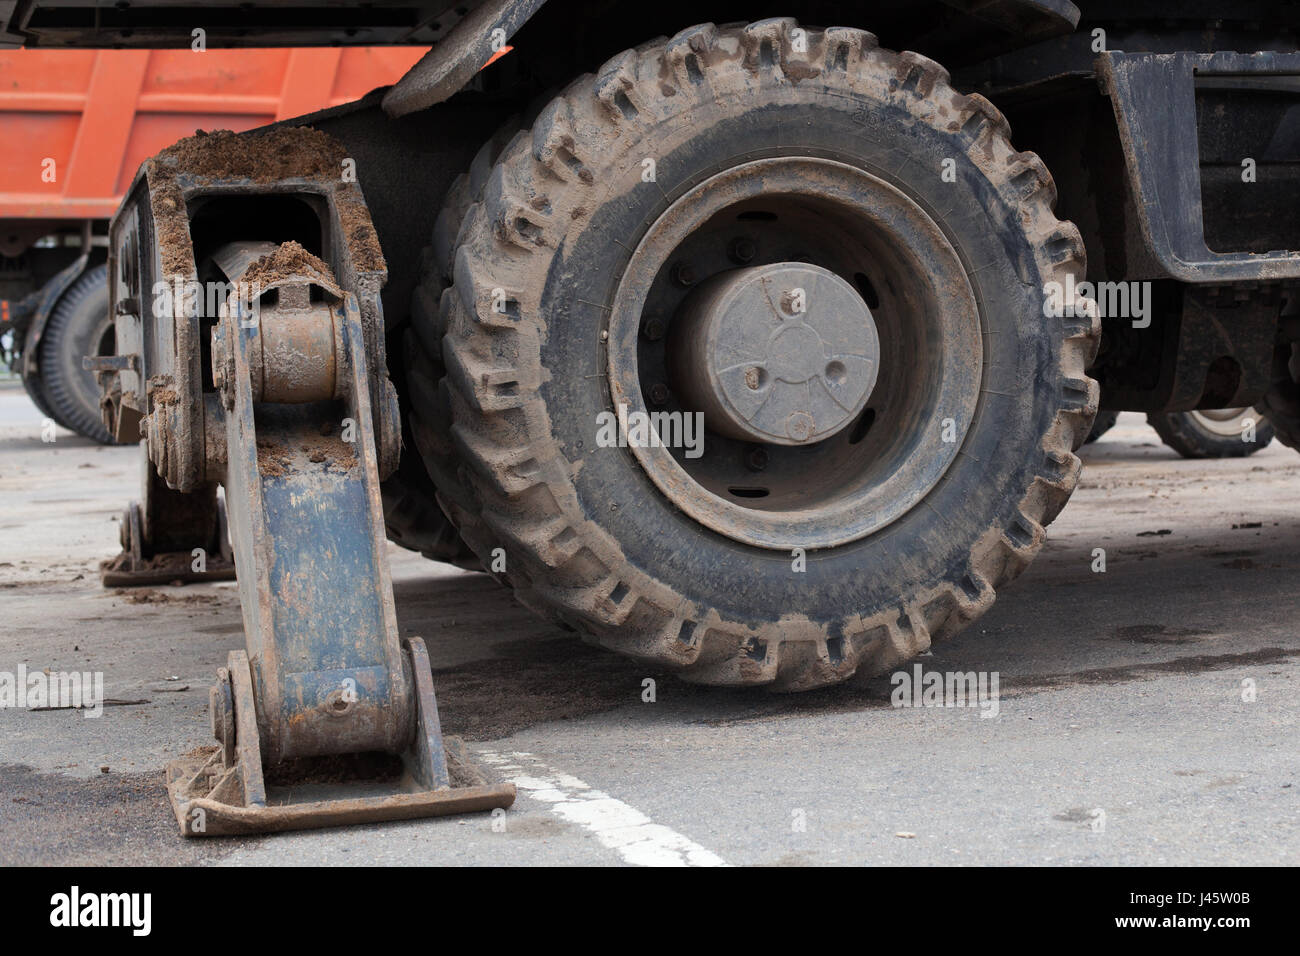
(75, 125)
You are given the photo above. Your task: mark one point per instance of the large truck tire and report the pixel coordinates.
(412, 517)
(79, 326)
(585, 278)
(1213, 433)
(428, 417)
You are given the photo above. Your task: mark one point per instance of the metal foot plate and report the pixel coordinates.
(224, 792)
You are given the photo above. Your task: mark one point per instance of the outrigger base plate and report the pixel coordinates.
(223, 792)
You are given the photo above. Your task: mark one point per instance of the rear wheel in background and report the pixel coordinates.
(79, 326)
(32, 386)
(413, 519)
(1103, 423)
(1213, 433)
(838, 261)
(1281, 403)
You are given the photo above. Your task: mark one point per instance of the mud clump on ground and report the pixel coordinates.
(151, 596)
(461, 767)
(173, 561)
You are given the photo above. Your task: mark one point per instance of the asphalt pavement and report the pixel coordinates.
(1146, 714)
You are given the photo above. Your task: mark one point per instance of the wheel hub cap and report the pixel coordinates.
(786, 353)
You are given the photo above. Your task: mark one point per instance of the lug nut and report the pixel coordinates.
(684, 274)
(653, 329)
(756, 458)
(659, 393)
(742, 250)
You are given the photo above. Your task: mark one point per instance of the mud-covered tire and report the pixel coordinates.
(75, 329)
(412, 517)
(1200, 435)
(427, 417)
(589, 539)
(1103, 423)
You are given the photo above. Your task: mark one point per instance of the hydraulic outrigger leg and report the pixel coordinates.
(298, 425)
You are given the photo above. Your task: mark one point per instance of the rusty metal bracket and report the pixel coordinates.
(325, 673)
(162, 304)
(167, 536)
(292, 411)
(310, 551)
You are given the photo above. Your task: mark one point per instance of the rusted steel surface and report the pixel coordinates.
(298, 357)
(159, 538)
(223, 819)
(309, 546)
(150, 250)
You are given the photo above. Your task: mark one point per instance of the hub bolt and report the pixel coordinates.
(742, 250)
(654, 328)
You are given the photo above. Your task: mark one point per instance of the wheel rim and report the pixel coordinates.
(885, 360)
(1224, 422)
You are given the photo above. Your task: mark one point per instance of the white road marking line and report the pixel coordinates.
(622, 828)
